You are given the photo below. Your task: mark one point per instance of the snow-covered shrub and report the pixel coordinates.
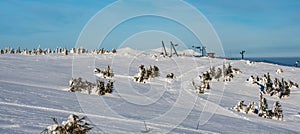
(170, 75)
(74, 125)
(279, 71)
(80, 85)
(293, 84)
(236, 70)
(253, 80)
(108, 72)
(248, 62)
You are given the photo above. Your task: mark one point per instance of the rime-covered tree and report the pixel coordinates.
(269, 84)
(74, 125)
(263, 105)
(109, 87)
(277, 110)
(114, 51)
(100, 87)
(218, 74)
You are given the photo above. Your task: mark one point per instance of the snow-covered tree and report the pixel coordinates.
(74, 125)
(212, 71)
(284, 89)
(293, 84)
(108, 72)
(240, 106)
(269, 84)
(263, 105)
(100, 87)
(199, 89)
(251, 108)
(109, 87)
(218, 74)
(204, 83)
(18, 51)
(114, 51)
(277, 110)
(155, 71)
(141, 74)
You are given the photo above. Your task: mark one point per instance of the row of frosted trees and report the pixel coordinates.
(39, 51)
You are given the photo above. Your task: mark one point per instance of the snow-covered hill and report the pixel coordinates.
(33, 89)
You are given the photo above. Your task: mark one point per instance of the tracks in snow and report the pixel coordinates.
(33, 85)
(125, 120)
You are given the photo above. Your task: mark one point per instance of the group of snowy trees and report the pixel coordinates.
(39, 51)
(146, 73)
(262, 110)
(278, 87)
(214, 74)
(241, 107)
(103, 51)
(108, 72)
(74, 125)
(227, 72)
(80, 85)
(100, 88)
(34, 51)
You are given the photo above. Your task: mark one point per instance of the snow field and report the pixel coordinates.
(33, 89)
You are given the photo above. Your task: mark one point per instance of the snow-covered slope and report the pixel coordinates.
(33, 89)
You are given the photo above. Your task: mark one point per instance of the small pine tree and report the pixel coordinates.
(277, 110)
(109, 87)
(100, 87)
(263, 105)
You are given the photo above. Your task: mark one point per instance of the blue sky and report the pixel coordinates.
(262, 28)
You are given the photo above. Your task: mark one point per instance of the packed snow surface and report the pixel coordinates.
(35, 88)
